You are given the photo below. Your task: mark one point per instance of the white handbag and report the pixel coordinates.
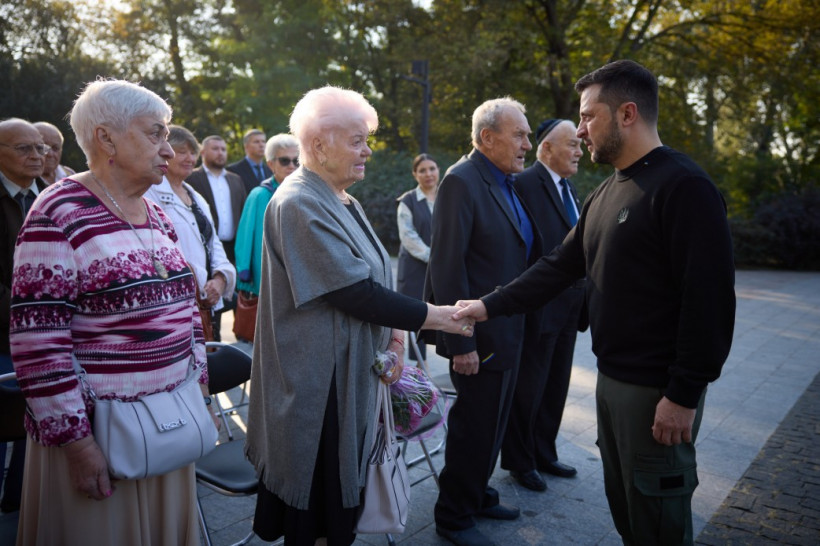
(156, 434)
(386, 498)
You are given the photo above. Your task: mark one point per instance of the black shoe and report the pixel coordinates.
(530, 479)
(500, 511)
(465, 537)
(558, 469)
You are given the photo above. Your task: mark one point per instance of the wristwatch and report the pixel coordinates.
(207, 400)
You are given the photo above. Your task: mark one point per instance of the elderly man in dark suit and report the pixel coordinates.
(22, 158)
(252, 168)
(482, 236)
(546, 363)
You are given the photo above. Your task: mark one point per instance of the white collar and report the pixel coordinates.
(14, 189)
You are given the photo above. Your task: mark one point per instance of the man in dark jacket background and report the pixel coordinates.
(549, 344)
(22, 158)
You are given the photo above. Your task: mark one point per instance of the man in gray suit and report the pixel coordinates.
(546, 362)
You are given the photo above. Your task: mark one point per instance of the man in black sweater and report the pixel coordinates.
(654, 244)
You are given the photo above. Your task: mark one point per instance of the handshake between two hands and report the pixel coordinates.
(461, 317)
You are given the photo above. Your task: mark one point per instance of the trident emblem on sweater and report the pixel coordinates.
(623, 214)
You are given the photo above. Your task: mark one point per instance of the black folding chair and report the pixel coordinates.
(434, 419)
(229, 363)
(225, 469)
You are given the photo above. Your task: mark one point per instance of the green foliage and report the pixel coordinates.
(389, 175)
(739, 84)
(31, 99)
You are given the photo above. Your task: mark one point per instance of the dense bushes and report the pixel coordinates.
(784, 233)
(388, 175)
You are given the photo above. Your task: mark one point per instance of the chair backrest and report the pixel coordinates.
(12, 409)
(228, 367)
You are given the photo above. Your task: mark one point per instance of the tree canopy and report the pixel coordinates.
(739, 80)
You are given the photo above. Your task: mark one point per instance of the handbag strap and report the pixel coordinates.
(387, 412)
(81, 373)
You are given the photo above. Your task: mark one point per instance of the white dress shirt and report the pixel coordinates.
(222, 201)
(556, 179)
(14, 189)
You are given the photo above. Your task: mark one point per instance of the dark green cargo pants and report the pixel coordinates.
(648, 485)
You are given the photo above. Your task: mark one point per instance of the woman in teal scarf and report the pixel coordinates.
(282, 156)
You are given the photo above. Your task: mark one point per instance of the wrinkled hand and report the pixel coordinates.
(88, 469)
(215, 417)
(463, 326)
(213, 290)
(466, 364)
(396, 372)
(473, 309)
(212, 408)
(673, 423)
(442, 317)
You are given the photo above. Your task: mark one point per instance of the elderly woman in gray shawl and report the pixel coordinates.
(326, 306)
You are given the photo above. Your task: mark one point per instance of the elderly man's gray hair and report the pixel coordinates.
(488, 114)
(249, 133)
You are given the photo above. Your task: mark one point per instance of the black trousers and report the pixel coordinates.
(475, 425)
(540, 395)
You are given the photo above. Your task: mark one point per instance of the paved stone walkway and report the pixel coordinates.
(759, 398)
(777, 501)
(758, 447)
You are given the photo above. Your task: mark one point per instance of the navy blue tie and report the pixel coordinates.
(566, 196)
(260, 173)
(523, 220)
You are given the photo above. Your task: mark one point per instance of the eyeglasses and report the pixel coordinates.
(25, 149)
(285, 161)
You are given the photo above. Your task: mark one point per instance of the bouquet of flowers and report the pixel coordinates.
(412, 396)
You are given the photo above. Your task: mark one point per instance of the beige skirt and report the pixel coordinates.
(155, 511)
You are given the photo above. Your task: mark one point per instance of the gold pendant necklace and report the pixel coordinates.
(159, 267)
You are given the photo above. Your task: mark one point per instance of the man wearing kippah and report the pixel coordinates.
(549, 342)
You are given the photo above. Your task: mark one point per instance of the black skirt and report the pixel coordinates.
(325, 516)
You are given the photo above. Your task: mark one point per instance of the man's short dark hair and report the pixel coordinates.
(625, 81)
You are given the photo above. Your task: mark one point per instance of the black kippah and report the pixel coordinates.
(544, 129)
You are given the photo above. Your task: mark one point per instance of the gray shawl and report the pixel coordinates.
(312, 246)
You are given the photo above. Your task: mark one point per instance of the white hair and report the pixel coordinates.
(114, 103)
(277, 142)
(327, 108)
(488, 114)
